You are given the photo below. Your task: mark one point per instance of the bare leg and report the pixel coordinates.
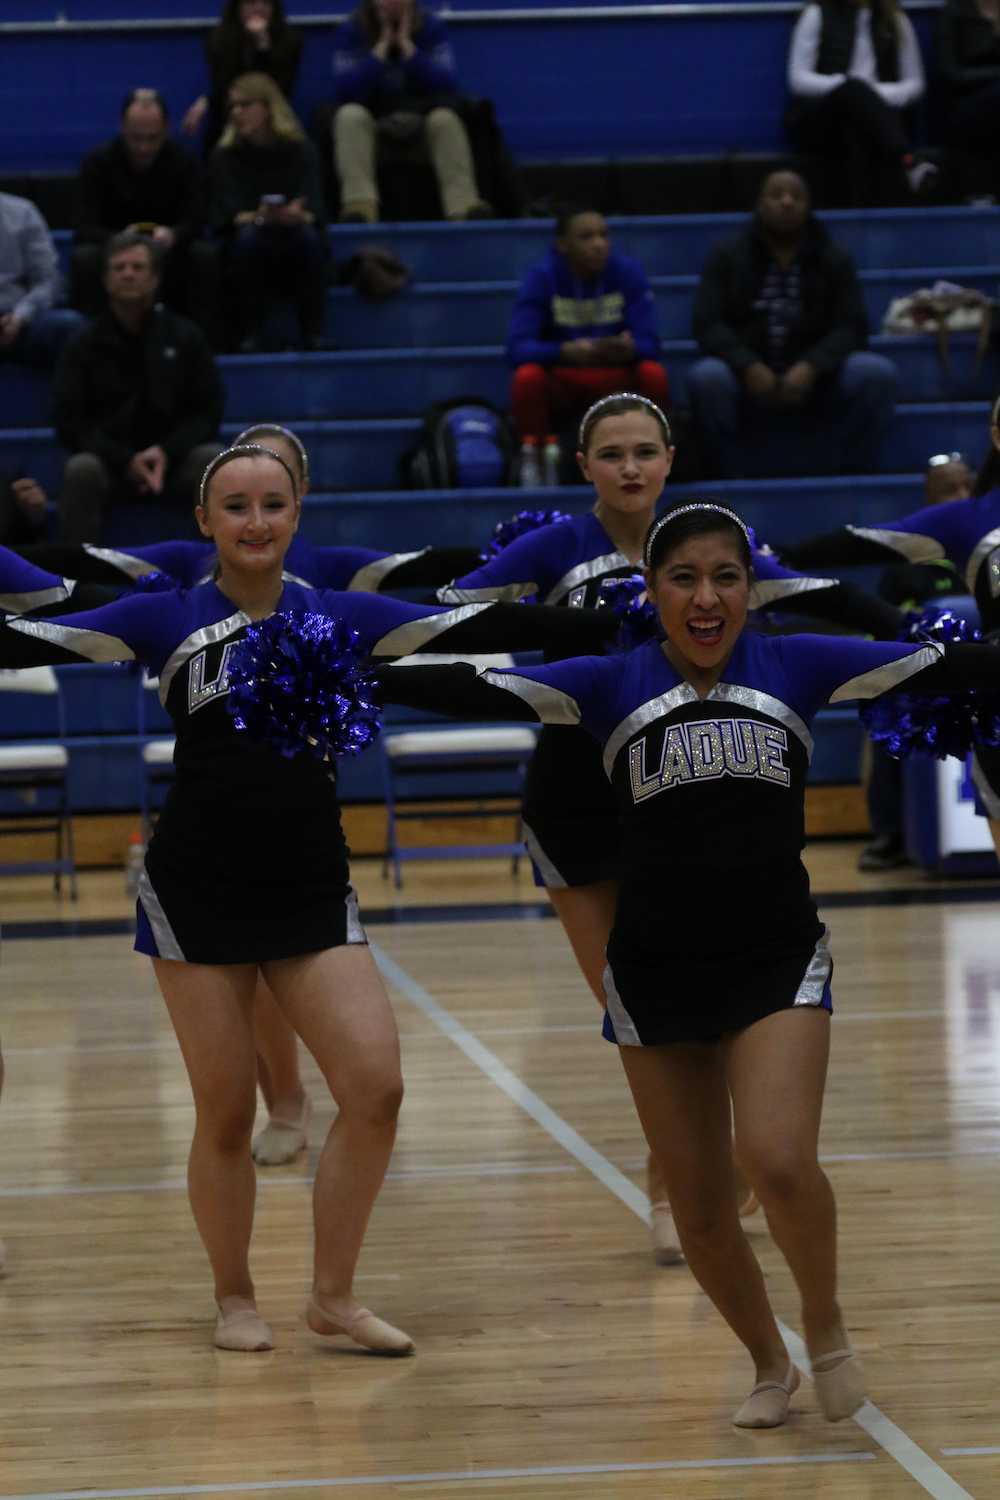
(777, 1074)
(682, 1097)
(211, 1009)
(3, 1248)
(337, 1003)
(284, 1136)
(995, 831)
(587, 913)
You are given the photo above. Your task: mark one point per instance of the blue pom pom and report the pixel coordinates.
(296, 682)
(154, 583)
(907, 723)
(520, 525)
(637, 619)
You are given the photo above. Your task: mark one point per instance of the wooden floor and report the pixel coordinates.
(554, 1359)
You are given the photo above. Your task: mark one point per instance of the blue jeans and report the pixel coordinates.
(837, 430)
(41, 338)
(276, 261)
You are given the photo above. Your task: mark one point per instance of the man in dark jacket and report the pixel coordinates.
(142, 181)
(583, 325)
(780, 316)
(137, 400)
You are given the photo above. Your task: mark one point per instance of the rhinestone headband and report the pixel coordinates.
(260, 429)
(681, 510)
(633, 396)
(241, 450)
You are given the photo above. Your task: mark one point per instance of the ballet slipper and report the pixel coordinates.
(282, 1141)
(241, 1328)
(663, 1235)
(662, 1229)
(749, 1205)
(767, 1403)
(362, 1326)
(839, 1379)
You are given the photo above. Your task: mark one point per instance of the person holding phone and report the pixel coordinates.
(266, 202)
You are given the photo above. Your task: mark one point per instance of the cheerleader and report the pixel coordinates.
(717, 979)
(247, 874)
(964, 533)
(571, 819)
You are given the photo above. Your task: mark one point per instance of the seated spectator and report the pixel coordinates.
(32, 328)
(266, 200)
(583, 326)
(395, 79)
(144, 182)
(853, 70)
(137, 400)
(23, 510)
(969, 55)
(780, 315)
(252, 36)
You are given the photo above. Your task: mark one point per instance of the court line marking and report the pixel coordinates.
(880, 1428)
(447, 1476)
(970, 1452)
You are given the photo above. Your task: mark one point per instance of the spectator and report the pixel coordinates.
(23, 510)
(144, 182)
(780, 316)
(32, 328)
(969, 54)
(137, 399)
(853, 70)
(583, 326)
(252, 36)
(394, 71)
(267, 201)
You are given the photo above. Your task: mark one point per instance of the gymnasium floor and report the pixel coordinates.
(554, 1359)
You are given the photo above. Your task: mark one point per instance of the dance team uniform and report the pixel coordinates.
(348, 569)
(715, 925)
(965, 533)
(571, 819)
(248, 860)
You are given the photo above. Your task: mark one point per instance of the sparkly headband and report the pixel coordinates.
(632, 396)
(275, 427)
(681, 510)
(241, 450)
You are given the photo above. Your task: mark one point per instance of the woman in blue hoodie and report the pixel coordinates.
(583, 327)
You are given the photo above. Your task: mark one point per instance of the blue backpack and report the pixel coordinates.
(465, 444)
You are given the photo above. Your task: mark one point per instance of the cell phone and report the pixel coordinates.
(273, 200)
(146, 227)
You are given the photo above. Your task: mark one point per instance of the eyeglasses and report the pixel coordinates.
(937, 459)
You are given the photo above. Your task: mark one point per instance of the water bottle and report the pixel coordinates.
(529, 472)
(550, 462)
(135, 859)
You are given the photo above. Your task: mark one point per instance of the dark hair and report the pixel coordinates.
(616, 406)
(695, 518)
(241, 450)
(988, 477)
(130, 240)
(567, 212)
(367, 19)
(230, 18)
(274, 429)
(145, 96)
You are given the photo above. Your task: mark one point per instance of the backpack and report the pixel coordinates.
(465, 444)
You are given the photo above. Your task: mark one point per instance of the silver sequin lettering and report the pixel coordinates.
(707, 756)
(993, 572)
(708, 749)
(201, 692)
(771, 743)
(738, 747)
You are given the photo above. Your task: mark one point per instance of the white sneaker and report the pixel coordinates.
(662, 1229)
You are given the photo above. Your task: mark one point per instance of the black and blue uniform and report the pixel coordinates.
(571, 820)
(347, 569)
(248, 860)
(965, 533)
(715, 925)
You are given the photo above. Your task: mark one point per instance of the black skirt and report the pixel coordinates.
(572, 826)
(245, 885)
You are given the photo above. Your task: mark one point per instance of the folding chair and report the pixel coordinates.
(30, 766)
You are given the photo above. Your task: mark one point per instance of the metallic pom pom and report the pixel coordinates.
(525, 520)
(154, 583)
(637, 619)
(296, 681)
(953, 724)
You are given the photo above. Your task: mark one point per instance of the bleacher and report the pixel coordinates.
(359, 408)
